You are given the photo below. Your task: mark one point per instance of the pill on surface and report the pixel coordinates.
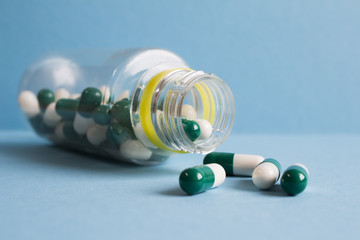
(106, 93)
(124, 94)
(191, 128)
(81, 124)
(45, 97)
(187, 111)
(116, 133)
(90, 99)
(61, 93)
(266, 174)
(29, 103)
(101, 115)
(51, 118)
(134, 149)
(120, 111)
(201, 178)
(59, 131)
(294, 179)
(205, 127)
(234, 164)
(67, 108)
(96, 134)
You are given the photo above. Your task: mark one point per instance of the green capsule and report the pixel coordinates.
(201, 178)
(90, 99)
(294, 180)
(120, 111)
(67, 108)
(45, 97)
(116, 133)
(101, 115)
(191, 128)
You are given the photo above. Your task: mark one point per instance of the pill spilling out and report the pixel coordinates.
(266, 174)
(294, 179)
(201, 178)
(191, 128)
(235, 164)
(205, 128)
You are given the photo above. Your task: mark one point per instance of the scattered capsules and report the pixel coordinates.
(294, 179)
(234, 164)
(201, 178)
(266, 174)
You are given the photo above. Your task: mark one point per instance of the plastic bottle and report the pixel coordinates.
(136, 105)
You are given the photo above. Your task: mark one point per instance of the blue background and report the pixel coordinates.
(293, 65)
(294, 70)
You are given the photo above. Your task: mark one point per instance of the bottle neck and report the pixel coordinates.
(174, 99)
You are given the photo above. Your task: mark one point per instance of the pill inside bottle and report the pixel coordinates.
(134, 105)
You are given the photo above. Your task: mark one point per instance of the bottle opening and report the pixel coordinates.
(192, 111)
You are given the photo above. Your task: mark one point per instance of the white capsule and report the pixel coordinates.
(29, 103)
(61, 93)
(134, 149)
(96, 134)
(59, 131)
(187, 111)
(219, 173)
(266, 174)
(205, 128)
(106, 93)
(81, 124)
(75, 96)
(51, 118)
(124, 94)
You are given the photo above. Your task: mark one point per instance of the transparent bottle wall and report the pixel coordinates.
(107, 103)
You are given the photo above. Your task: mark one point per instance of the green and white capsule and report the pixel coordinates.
(234, 164)
(202, 178)
(295, 178)
(266, 174)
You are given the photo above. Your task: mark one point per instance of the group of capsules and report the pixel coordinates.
(91, 119)
(264, 172)
(94, 119)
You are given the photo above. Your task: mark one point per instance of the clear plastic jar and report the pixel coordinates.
(137, 105)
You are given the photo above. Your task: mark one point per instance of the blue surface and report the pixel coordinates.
(49, 193)
(294, 65)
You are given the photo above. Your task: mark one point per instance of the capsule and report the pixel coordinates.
(188, 111)
(45, 97)
(191, 128)
(201, 178)
(234, 164)
(266, 174)
(205, 127)
(29, 103)
(295, 178)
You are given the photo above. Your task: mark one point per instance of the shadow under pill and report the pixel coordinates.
(247, 185)
(276, 191)
(49, 155)
(175, 192)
